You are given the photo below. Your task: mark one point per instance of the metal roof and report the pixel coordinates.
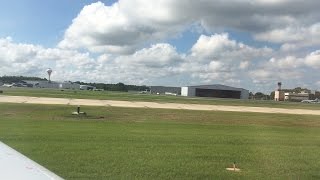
(216, 85)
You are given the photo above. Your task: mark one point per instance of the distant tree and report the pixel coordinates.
(16, 79)
(272, 95)
(297, 90)
(251, 95)
(116, 87)
(120, 87)
(259, 95)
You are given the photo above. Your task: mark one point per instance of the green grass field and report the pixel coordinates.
(127, 143)
(109, 95)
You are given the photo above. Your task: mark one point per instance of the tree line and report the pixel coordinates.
(17, 79)
(108, 87)
(116, 87)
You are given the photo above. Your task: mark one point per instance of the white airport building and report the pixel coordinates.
(52, 84)
(291, 96)
(165, 90)
(87, 87)
(216, 91)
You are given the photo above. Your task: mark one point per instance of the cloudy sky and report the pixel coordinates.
(244, 43)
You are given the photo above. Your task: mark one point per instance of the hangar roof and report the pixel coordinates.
(217, 86)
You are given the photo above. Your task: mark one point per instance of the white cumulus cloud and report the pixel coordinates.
(128, 25)
(313, 59)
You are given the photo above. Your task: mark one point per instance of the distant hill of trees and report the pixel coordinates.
(109, 87)
(16, 79)
(259, 96)
(297, 90)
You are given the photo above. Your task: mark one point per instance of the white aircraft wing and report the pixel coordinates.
(15, 166)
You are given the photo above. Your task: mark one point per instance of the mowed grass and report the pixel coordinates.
(124, 96)
(138, 143)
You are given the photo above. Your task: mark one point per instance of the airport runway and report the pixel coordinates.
(133, 104)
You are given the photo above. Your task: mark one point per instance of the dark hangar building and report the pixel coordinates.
(215, 91)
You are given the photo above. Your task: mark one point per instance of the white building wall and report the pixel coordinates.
(69, 86)
(279, 96)
(56, 85)
(188, 91)
(244, 94)
(184, 91)
(86, 87)
(46, 84)
(296, 96)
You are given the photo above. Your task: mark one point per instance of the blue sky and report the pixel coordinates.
(250, 44)
(38, 21)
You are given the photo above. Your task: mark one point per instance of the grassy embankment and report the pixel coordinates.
(125, 143)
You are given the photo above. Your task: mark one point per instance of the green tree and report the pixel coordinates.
(259, 95)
